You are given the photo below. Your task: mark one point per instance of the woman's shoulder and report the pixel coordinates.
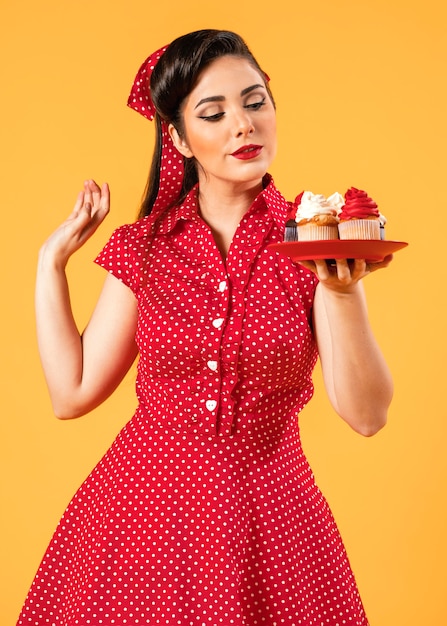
(135, 230)
(281, 208)
(126, 240)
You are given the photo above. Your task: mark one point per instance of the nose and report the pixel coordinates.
(243, 124)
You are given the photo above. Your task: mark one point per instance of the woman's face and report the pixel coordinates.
(229, 123)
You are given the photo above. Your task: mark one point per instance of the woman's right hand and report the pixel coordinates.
(82, 370)
(91, 207)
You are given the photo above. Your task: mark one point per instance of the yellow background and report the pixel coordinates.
(360, 90)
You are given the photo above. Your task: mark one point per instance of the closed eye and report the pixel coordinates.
(212, 118)
(255, 105)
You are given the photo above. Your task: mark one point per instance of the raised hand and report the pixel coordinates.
(91, 207)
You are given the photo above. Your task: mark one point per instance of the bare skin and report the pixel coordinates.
(356, 377)
(82, 370)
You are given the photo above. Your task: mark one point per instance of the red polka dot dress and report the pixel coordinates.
(204, 510)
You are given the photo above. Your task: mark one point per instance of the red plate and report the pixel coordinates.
(369, 249)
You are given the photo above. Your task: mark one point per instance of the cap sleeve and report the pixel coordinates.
(119, 256)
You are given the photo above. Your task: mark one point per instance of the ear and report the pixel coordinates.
(179, 143)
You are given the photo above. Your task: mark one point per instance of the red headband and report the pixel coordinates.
(171, 166)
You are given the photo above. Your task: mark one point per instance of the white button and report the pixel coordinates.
(222, 285)
(217, 323)
(211, 405)
(212, 365)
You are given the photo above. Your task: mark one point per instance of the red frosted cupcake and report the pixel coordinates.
(359, 217)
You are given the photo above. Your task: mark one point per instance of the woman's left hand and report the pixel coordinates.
(341, 275)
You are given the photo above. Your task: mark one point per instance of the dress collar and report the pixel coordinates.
(269, 200)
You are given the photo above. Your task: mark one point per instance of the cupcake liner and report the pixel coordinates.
(359, 229)
(290, 232)
(311, 232)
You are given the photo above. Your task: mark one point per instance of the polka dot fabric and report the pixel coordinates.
(204, 510)
(171, 165)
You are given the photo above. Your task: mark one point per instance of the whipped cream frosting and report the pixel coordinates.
(313, 204)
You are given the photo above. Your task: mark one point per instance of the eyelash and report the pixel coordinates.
(217, 116)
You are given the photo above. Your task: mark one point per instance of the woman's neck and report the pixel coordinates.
(223, 209)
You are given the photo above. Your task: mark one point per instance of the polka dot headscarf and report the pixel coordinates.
(171, 167)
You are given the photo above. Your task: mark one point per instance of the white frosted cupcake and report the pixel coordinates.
(382, 221)
(316, 216)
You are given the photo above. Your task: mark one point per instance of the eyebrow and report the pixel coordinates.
(244, 92)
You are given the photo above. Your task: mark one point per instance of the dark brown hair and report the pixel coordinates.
(172, 80)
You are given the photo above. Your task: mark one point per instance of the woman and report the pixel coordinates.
(204, 510)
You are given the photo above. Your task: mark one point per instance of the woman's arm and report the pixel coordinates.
(81, 371)
(357, 379)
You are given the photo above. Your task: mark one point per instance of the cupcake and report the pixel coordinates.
(316, 216)
(382, 221)
(290, 233)
(359, 217)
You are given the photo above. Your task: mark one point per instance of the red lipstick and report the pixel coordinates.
(247, 152)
